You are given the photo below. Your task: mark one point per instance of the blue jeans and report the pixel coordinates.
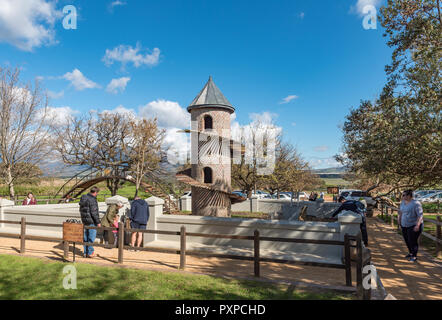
(89, 236)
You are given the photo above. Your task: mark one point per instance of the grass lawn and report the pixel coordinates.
(333, 182)
(23, 278)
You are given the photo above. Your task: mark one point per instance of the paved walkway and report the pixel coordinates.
(401, 278)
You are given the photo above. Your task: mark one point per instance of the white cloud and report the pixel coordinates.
(170, 114)
(79, 81)
(321, 148)
(263, 118)
(114, 4)
(358, 8)
(55, 95)
(301, 15)
(288, 99)
(118, 3)
(27, 24)
(117, 85)
(323, 163)
(178, 145)
(127, 54)
(261, 121)
(56, 115)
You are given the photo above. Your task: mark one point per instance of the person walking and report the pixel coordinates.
(29, 200)
(108, 221)
(139, 215)
(357, 207)
(411, 220)
(90, 218)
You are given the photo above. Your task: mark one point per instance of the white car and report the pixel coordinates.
(260, 194)
(357, 195)
(284, 196)
(432, 198)
(420, 194)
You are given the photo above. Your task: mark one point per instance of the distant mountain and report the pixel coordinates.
(336, 170)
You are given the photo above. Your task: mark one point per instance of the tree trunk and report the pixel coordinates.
(10, 183)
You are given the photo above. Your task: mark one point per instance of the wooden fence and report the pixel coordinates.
(348, 243)
(387, 211)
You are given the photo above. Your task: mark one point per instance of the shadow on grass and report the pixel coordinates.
(30, 278)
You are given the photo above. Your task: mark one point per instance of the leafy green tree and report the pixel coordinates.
(397, 139)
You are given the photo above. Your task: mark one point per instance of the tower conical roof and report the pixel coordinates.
(210, 96)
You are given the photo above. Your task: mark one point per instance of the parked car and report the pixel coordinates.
(260, 194)
(420, 194)
(430, 198)
(239, 193)
(303, 196)
(285, 196)
(357, 195)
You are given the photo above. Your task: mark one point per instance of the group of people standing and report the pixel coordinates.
(314, 196)
(138, 217)
(410, 218)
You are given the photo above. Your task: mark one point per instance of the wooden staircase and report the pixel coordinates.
(169, 205)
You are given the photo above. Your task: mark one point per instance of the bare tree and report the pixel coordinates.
(145, 151)
(25, 126)
(100, 142)
(248, 168)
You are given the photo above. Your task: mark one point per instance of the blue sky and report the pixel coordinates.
(153, 57)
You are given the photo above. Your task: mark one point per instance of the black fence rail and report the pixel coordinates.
(349, 242)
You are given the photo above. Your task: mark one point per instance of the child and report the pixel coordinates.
(115, 225)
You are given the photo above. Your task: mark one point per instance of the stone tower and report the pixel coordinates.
(210, 154)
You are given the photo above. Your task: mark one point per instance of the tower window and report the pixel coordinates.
(207, 175)
(208, 122)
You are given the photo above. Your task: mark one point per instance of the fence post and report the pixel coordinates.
(439, 237)
(183, 248)
(359, 266)
(23, 235)
(256, 255)
(347, 260)
(120, 241)
(66, 249)
(392, 217)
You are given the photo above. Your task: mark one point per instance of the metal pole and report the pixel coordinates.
(183, 248)
(66, 249)
(23, 236)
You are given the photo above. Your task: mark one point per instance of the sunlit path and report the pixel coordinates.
(401, 278)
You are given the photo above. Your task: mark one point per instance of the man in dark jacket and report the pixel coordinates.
(357, 207)
(90, 218)
(139, 215)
